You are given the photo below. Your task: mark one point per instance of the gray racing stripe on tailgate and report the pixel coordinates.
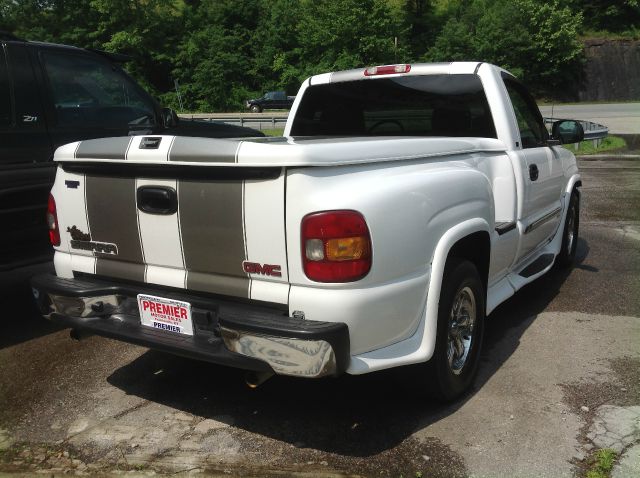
(113, 218)
(204, 150)
(104, 148)
(213, 236)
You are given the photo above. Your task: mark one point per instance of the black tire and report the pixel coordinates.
(567, 254)
(256, 109)
(448, 375)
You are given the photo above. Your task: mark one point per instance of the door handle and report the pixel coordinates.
(533, 172)
(157, 199)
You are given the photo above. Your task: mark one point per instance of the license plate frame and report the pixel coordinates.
(161, 313)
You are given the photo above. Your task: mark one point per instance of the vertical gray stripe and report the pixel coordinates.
(204, 150)
(119, 269)
(104, 148)
(213, 236)
(112, 215)
(218, 284)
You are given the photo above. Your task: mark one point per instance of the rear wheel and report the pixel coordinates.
(454, 364)
(569, 246)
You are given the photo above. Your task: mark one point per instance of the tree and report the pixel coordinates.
(214, 61)
(422, 23)
(343, 34)
(621, 16)
(534, 40)
(277, 53)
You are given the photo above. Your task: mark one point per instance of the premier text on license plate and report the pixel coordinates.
(165, 314)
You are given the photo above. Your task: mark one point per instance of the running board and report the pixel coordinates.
(540, 264)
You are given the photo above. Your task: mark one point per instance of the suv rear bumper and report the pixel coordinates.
(256, 336)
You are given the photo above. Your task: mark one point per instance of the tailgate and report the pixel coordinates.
(172, 211)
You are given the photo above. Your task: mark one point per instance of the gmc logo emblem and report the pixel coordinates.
(264, 269)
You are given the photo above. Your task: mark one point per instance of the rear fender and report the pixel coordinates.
(574, 181)
(421, 345)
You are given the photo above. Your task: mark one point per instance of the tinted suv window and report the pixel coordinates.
(430, 105)
(88, 92)
(5, 92)
(532, 131)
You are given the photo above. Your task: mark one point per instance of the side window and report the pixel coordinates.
(5, 91)
(269, 96)
(532, 130)
(88, 92)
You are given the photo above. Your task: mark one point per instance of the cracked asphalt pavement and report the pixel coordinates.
(559, 357)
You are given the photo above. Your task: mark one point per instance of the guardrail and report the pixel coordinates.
(592, 131)
(258, 121)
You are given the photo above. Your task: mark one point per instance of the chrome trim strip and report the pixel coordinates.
(539, 222)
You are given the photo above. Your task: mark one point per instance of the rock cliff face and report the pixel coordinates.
(612, 70)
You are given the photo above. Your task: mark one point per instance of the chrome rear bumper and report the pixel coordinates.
(259, 337)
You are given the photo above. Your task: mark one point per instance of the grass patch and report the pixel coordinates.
(603, 461)
(610, 143)
(273, 132)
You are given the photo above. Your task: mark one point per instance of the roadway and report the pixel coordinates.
(620, 118)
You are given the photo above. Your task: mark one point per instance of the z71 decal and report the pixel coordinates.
(82, 241)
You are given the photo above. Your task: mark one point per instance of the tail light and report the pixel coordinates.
(52, 222)
(336, 246)
(387, 70)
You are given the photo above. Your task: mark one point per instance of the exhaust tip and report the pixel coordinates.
(255, 379)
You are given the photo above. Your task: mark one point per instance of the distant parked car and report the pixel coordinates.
(52, 95)
(272, 100)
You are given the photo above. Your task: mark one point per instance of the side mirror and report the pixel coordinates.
(567, 131)
(169, 118)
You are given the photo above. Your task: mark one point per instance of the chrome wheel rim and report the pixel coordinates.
(571, 219)
(462, 319)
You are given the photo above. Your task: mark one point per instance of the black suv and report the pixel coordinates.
(51, 95)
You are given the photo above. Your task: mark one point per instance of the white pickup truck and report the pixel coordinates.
(401, 206)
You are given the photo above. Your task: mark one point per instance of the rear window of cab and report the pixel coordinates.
(427, 105)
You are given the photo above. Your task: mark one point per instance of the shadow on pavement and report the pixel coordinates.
(356, 416)
(21, 320)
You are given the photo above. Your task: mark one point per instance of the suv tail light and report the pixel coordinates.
(336, 246)
(52, 222)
